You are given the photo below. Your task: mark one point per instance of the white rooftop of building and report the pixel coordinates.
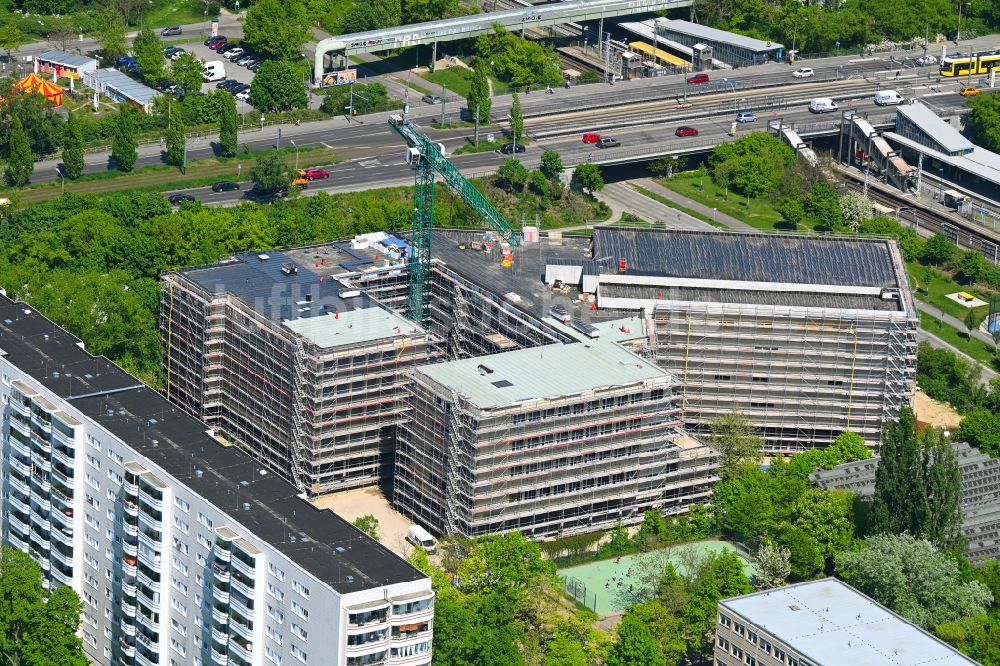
(950, 139)
(352, 327)
(829, 622)
(715, 35)
(514, 377)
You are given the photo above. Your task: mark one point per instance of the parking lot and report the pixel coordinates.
(241, 74)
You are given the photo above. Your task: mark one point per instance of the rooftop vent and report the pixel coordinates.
(263, 257)
(484, 370)
(246, 506)
(340, 549)
(350, 579)
(289, 269)
(199, 473)
(794, 607)
(152, 422)
(503, 383)
(349, 293)
(244, 483)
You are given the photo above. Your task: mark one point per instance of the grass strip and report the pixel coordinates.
(676, 206)
(960, 340)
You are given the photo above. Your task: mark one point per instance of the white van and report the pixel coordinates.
(887, 97)
(420, 537)
(822, 105)
(214, 71)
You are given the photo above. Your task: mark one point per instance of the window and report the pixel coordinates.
(93, 482)
(275, 592)
(181, 525)
(116, 457)
(203, 541)
(300, 611)
(301, 589)
(273, 634)
(179, 586)
(180, 566)
(179, 607)
(204, 520)
(181, 504)
(272, 655)
(300, 632)
(115, 477)
(93, 462)
(180, 546)
(298, 653)
(94, 442)
(275, 571)
(176, 646)
(275, 614)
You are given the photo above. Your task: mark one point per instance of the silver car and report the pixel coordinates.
(746, 117)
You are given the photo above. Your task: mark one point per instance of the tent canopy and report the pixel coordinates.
(33, 83)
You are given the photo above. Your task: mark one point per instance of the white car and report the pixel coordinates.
(243, 96)
(800, 73)
(927, 60)
(229, 55)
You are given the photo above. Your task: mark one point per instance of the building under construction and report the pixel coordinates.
(303, 358)
(557, 439)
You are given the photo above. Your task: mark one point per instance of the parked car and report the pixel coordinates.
(228, 46)
(214, 40)
(686, 130)
(172, 30)
(216, 45)
(176, 53)
(251, 62)
(698, 78)
(243, 95)
(243, 59)
(170, 50)
(233, 53)
(315, 173)
(125, 60)
(432, 99)
(255, 66)
(608, 142)
(591, 137)
(179, 198)
(511, 148)
(227, 84)
(421, 538)
(927, 60)
(968, 91)
(225, 186)
(746, 117)
(803, 72)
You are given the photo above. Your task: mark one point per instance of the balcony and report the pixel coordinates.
(127, 647)
(142, 659)
(131, 507)
(41, 541)
(150, 501)
(219, 658)
(19, 447)
(63, 558)
(239, 586)
(62, 456)
(17, 542)
(128, 566)
(146, 622)
(19, 504)
(220, 615)
(65, 440)
(239, 631)
(237, 604)
(150, 541)
(60, 577)
(221, 573)
(20, 408)
(21, 523)
(62, 477)
(130, 488)
(243, 567)
(219, 635)
(19, 485)
(42, 486)
(63, 535)
(131, 549)
(128, 607)
(242, 649)
(20, 466)
(128, 587)
(21, 427)
(221, 595)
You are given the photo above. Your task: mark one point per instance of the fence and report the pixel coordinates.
(576, 589)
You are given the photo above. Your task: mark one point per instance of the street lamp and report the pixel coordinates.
(795, 36)
(838, 48)
(296, 155)
(958, 32)
(63, 176)
(586, 36)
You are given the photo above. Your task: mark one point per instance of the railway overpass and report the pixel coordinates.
(464, 27)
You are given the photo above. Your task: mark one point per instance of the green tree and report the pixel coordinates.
(752, 164)
(176, 140)
(539, 183)
(552, 164)
(519, 62)
(229, 121)
(124, 142)
(721, 577)
(848, 447)
(513, 175)
(186, 73)
(149, 56)
(276, 28)
(369, 525)
(37, 627)
(11, 38)
(587, 178)
(938, 250)
(635, 644)
(822, 206)
(977, 636)
(792, 211)
(418, 11)
(666, 166)
(914, 578)
(855, 208)
(972, 266)
(373, 14)
(72, 152)
(804, 553)
(516, 119)
(981, 429)
(772, 566)
(564, 650)
(827, 516)
(509, 565)
(945, 376)
(982, 122)
(20, 161)
(277, 87)
(733, 437)
(111, 35)
(479, 99)
(270, 174)
(917, 484)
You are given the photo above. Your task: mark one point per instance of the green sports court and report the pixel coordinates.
(596, 584)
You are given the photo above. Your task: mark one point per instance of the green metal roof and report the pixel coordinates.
(502, 380)
(352, 327)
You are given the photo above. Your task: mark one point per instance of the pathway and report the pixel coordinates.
(680, 199)
(621, 198)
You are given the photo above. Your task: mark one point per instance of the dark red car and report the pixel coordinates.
(217, 44)
(698, 78)
(686, 131)
(316, 173)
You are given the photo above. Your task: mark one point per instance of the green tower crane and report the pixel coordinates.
(427, 158)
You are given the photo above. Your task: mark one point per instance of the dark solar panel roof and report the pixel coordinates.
(267, 289)
(319, 541)
(748, 257)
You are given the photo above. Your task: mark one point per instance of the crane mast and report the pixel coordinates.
(427, 158)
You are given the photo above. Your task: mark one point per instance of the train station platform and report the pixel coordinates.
(465, 27)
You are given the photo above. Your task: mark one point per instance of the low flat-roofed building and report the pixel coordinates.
(822, 623)
(121, 88)
(549, 440)
(68, 65)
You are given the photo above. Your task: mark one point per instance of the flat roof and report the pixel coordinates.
(749, 257)
(259, 281)
(830, 622)
(706, 33)
(509, 378)
(128, 87)
(319, 541)
(68, 59)
(353, 326)
(949, 138)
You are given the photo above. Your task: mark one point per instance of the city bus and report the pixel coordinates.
(976, 63)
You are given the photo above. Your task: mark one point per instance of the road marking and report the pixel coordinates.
(369, 164)
(326, 145)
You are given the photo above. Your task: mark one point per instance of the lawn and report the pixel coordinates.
(178, 12)
(935, 292)
(676, 206)
(456, 79)
(759, 213)
(163, 178)
(973, 347)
